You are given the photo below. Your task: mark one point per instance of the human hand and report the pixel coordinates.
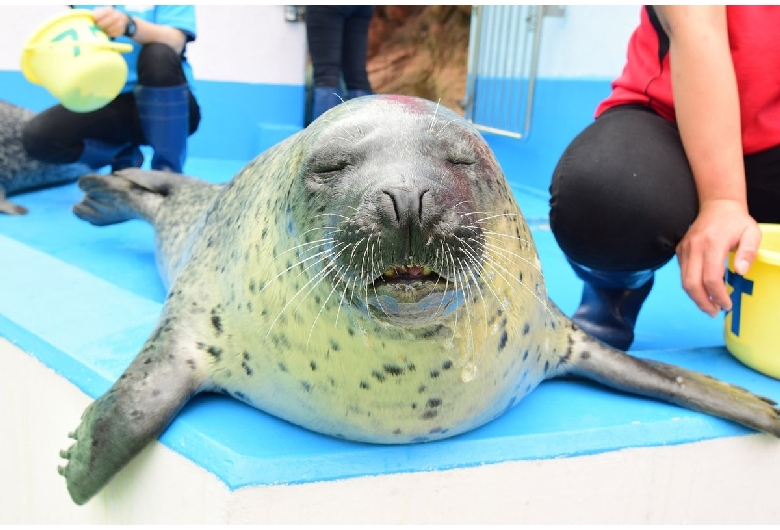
(112, 21)
(721, 226)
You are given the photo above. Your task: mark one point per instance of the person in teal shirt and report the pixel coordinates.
(156, 107)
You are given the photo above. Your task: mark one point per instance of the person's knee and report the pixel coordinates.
(36, 141)
(580, 207)
(159, 66)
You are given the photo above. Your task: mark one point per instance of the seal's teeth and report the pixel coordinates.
(62, 470)
(65, 453)
(72, 435)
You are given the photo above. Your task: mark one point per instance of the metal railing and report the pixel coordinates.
(504, 48)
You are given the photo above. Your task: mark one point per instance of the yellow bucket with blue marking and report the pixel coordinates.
(752, 326)
(75, 61)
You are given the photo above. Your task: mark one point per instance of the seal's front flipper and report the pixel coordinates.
(135, 411)
(594, 360)
(10, 208)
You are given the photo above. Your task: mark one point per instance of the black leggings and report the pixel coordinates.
(56, 135)
(338, 38)
(622, 195)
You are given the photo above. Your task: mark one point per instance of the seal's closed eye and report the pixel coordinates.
(457, 160)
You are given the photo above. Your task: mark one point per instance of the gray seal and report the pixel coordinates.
(19, 172)
(370, 278)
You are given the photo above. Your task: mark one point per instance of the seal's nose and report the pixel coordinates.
(407, 205)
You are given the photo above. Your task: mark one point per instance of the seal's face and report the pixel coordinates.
(402, 222)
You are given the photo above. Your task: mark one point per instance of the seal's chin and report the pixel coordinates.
(412, 295)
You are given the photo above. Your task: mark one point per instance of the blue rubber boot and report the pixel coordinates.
(325, 98)
(610, 303)
(165, 119)
(98, 153)
(130, 156)
(352, 94)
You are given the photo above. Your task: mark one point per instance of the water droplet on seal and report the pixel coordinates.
(468, 373)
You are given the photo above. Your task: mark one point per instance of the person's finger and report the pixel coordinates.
(691, 276)
(713, 269)
(747, 249)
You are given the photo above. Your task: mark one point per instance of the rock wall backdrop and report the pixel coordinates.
(420, 51)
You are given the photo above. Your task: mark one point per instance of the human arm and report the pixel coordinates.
(114, 22)
(708, 116)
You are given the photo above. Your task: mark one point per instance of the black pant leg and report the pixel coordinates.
(622, 194)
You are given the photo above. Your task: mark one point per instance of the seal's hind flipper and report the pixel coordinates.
(686, 388)
(136, 410)
(10, 208)
(127, 194)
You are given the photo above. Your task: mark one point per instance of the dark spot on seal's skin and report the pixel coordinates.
(252, 286)
(397, 431)
(306, 386)
(351, 332)
(502, 341)
(215, 352)
(216, 322)
(334, 345)
(393, 370)
(313, 366)
(429, 333)
(436, 430)
(446, 365)
(526, 328)
(546, 366)
(585, 355)
(148, 360)
(433, 403)
(411, 367)
(156, 392)
(246, 368)
(434, 374)
(246, 355)
(378, 376)
(429, 414)
(421, 389)
(264, 233)
(282, 367)
(190, 363)
(317, 300)
(525, 355)
(420, 439)
(365, 385)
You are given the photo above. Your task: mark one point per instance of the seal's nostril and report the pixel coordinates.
(407, 204)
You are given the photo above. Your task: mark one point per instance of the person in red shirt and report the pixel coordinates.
(683, 158)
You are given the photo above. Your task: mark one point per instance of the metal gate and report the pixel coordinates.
(504, 48)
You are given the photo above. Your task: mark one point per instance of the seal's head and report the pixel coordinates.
(403, 210)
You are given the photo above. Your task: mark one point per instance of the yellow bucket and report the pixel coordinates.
(75, 61)
(751, 327)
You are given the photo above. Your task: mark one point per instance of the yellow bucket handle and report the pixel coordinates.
(120, 47)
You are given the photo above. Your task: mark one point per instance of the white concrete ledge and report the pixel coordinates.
(722, 481)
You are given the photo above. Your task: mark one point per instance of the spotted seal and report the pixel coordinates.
(19, 172)
(370, 278)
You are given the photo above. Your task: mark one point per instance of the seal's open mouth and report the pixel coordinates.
(402, 273)
(408, 283)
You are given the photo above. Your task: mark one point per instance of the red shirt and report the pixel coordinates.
(754, 39)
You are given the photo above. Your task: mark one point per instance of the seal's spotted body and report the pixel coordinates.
(370, 278)
(19, 172)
